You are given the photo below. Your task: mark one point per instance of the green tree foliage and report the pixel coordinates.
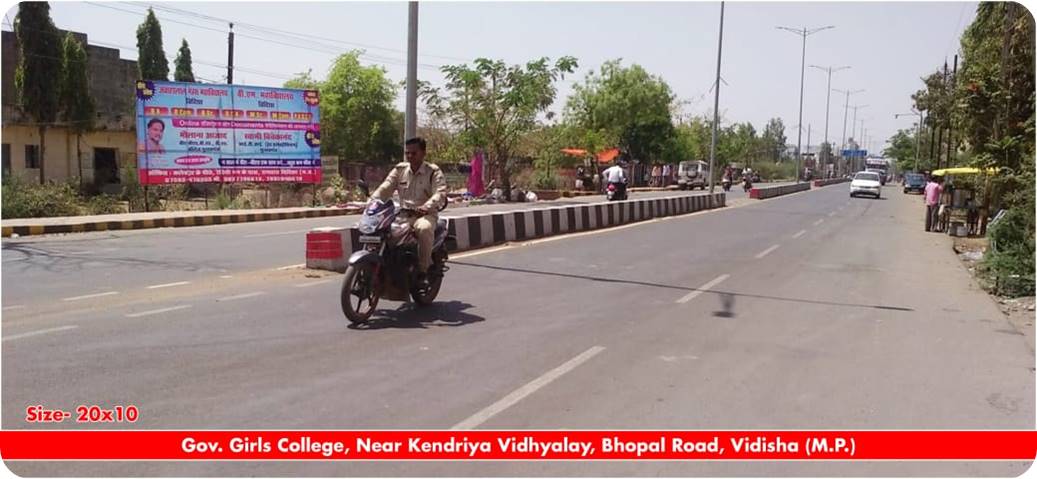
(75, 94)
(774, 139)
(39, 72)
(993, 109)
(358, 121)
(151, 58)
(183, 64)
(631, 104)
(902, 148)
(493, 105)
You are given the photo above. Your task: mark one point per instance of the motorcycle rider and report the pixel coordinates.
(422, 187)
(617, 176)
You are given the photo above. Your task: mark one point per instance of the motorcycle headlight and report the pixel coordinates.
(366, 228)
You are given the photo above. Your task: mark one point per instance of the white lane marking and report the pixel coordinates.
(157, 311)
(282, 233)
(822, 220)
(242, 296)
(767, 251)
(42, 331)
(291, 266)
(226, 276)
(531, 387)
(168, 285)
(702, 289)
(479, 252)
(313, 283)
(17, 306)
(88, 296)
(801, 233)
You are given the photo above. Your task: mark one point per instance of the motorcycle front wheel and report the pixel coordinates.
(358, 289)
(425, 296)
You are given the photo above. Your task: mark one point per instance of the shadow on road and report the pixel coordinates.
(683, 288)
(409, 316)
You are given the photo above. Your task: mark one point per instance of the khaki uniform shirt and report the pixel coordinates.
(425, 187)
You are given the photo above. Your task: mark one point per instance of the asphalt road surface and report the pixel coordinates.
(811, 310)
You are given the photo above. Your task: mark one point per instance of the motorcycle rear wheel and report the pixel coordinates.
(358, 287)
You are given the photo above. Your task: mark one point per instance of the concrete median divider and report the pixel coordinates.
(831, 181)
(772, 191)
(493, 228)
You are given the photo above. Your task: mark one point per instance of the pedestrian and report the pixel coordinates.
(933, 189)
(657, 175)
(666, 176)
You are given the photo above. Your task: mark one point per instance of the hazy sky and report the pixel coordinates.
(889, 45)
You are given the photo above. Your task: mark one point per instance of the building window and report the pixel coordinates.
(7, 159)
(32, 156)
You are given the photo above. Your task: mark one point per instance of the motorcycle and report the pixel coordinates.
(616, 192)
(726, 184)
(747, 184)
(386, 266)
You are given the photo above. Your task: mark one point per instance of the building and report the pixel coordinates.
(105, 152)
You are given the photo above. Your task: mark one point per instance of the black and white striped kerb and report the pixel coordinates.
(489, 229)
(481, 230)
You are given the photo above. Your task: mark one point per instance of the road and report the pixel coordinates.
(45, 268)
(805, 311)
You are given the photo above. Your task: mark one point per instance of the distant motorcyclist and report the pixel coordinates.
(422, 187)
(616, 175)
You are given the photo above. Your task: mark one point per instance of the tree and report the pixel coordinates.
(630, 103)
(774, 139)
(183, 64)
(902, 148)
(492, 105)
(38, 76)
(358, 121)
(75, 94)
(151, 58)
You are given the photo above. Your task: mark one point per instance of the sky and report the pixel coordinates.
(888, 45)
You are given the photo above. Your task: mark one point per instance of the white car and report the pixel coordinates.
(866, 183)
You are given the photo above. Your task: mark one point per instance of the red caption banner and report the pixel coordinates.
(517, 445)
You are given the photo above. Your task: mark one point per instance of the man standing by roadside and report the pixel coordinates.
(932, 201)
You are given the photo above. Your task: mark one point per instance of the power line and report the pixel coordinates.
(309, 47)
(294, 35)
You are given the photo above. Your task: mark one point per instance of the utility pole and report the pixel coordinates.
(230, 55)
(411, 127)
(828, 101)
(802, 77)
(716, 108)
(950, 117)
(846, 110)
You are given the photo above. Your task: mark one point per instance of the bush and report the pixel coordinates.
(775, 171)
(28, 200)
(1010, 260)
(102, 205)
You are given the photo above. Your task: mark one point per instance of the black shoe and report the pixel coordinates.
(421, 282)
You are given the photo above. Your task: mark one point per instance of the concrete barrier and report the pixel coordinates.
(831, 181)
(772, 191)
(481, 230)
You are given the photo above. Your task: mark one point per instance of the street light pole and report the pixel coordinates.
(804, 32)
(716, 108)
(846, 111)
(828, 101)
(411, 122)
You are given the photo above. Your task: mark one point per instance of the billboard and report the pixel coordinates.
(206, 133)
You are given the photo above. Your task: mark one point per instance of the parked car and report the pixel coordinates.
(914, 182)
(692, 174)
(866, 183)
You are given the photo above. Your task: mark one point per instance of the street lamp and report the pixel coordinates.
(846, 110)
(804, 32)
(828, 100)
(716, 109)
(918, 133)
